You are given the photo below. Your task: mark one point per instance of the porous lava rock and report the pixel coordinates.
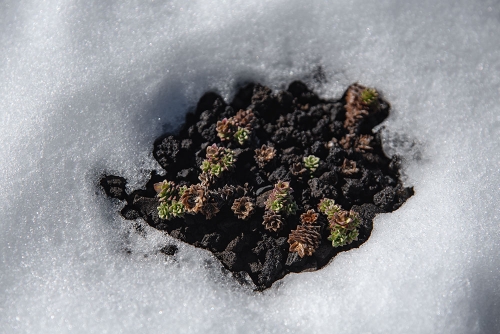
(292, 124)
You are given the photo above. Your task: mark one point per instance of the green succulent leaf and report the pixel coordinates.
(311, 162)
(369, 95)
(342, 236)
(241, 136)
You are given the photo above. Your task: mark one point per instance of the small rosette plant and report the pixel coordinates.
(281, 200)
(241, 136)
(369, 96)
(219, 159)
(311, 163)
(237, 128)
(343, 224)
(168, 195)
(225, 129)
(264, 155)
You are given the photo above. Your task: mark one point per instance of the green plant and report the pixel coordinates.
(341, 237)
(343, 224)
(168, 194)
(328, 207)
(225, 129)
(237, 128)
(369, 96)
(241, 136)
(164, 189)
(311, 162)
(219, 159)
(171, 209)
(281, 200)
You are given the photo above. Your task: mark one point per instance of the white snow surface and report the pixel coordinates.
(86, 86)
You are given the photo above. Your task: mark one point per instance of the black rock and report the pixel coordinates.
(272, 266)
(295, 261)
(130, 213)
(231, 260)
(336, 155)
(236, 245)
(280, 174)
(169, 250)
(114, 186)
(386, 198)
(212, 241)
(320, 189)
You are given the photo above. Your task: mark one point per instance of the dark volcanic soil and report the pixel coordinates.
(352, 170)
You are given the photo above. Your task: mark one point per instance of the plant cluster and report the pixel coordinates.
(199, 198)
(238, 167)
(237, 128)
(219, 159)
(243, 207)
(169, 196)
(360, 102)
(280, 202)
(343, 224)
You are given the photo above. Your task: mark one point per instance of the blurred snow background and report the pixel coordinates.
(86, 86)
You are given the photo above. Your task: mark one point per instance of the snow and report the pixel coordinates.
(86, 86)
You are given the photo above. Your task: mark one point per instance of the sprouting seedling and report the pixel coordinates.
(194, 198)
(219, 159)
(244, 119)
(281, 200)
(311, 163)
(369, 96)
(349, 167)
(309, 217)
(363, 143)
(241, 135)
